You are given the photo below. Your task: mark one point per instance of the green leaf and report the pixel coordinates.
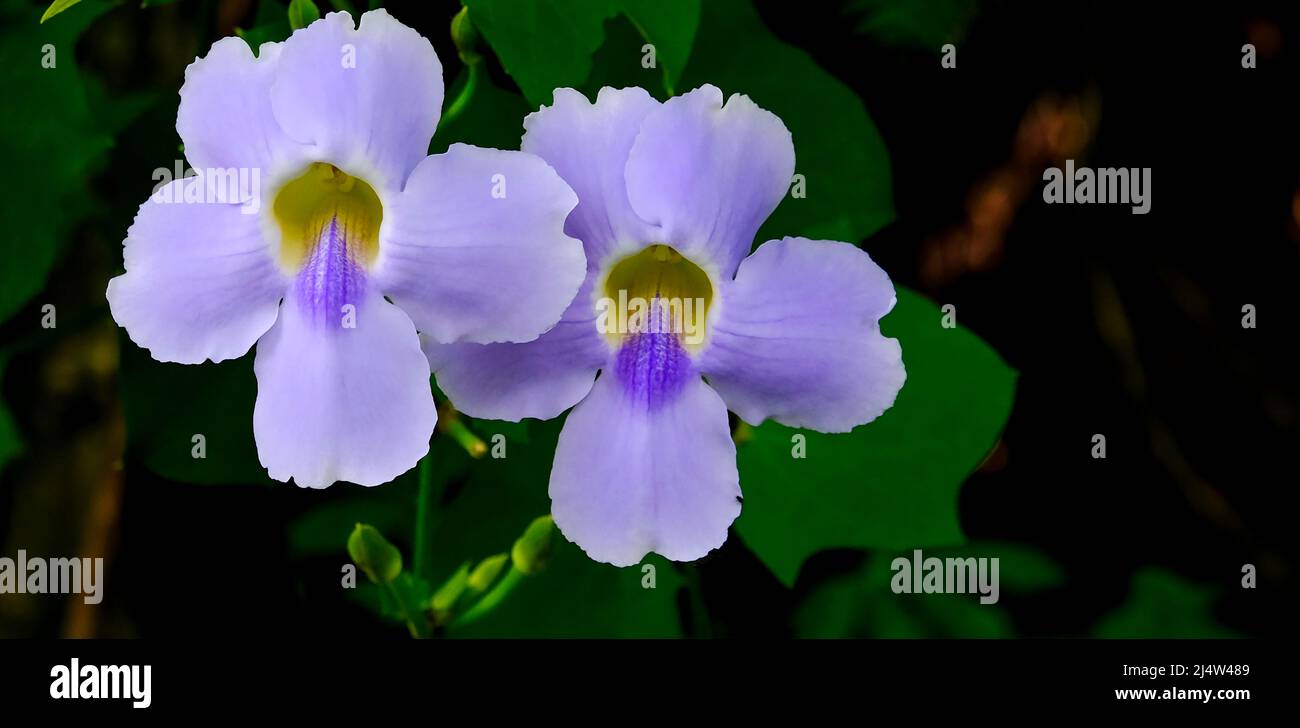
(270, 25)
(49, 138)
(168, 405)
(57, 7)
(892, 483)
(543, 44)
(668, 25)
(921, 24)
(302, 13)
(370, 551)
(838, 149)
(1164, 605)
(549, 44)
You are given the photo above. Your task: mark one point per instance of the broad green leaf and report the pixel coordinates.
(48, 138)
(838, 149)
(1164, 605)
(892, 483)
(302, 13)
(549, 44)
(669, 26)
(543, 44)
(168, 405)
(922, 24)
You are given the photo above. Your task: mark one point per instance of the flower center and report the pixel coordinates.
(326, 197)
(329, 234)
(655, 291)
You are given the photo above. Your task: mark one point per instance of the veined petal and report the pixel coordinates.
(201, 282)
(367, 98)
(340, 403)
(225, 118)
(540, 378)
(588, 145)
(799, 338)
(709, 174)
(474, 248)
(646, 462)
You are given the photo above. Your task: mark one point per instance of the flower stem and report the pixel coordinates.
(494, 597)
(423, 503)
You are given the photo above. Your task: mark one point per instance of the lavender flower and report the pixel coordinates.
(354, 242)
(678, 323)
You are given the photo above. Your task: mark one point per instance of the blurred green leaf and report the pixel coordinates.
(922, 24)
(838, 149)
(863, 604)
(1164, 605)
(302, 13)
(370, 551)
(10, 442)
(891, 483)
(57, 7)
(168, 405)
(48, 138)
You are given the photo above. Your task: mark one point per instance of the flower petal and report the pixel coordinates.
(588, 145)
(474, 248)
(710, 174)
(368, 98)
(630, 478)
(540, 378)
(798, 338)
(200, 282)
(342, 404)
(225, 118)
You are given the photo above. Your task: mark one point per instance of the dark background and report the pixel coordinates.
(1119, 324)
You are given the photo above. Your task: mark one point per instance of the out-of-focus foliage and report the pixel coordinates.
(863, 603)
(1164, 605)
(10, 443)
(49, 132)
(922, 24)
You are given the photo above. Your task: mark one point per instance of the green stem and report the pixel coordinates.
(401, 606)
(494, 597)
(461, 102)
(423, 504)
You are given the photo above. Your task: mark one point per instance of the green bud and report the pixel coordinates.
(533, 549)
(465, 36)
(486, 572)
(445, 598)
(369, 550)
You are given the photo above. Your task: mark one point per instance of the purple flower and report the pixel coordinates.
(347, 241)
(680, 325)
